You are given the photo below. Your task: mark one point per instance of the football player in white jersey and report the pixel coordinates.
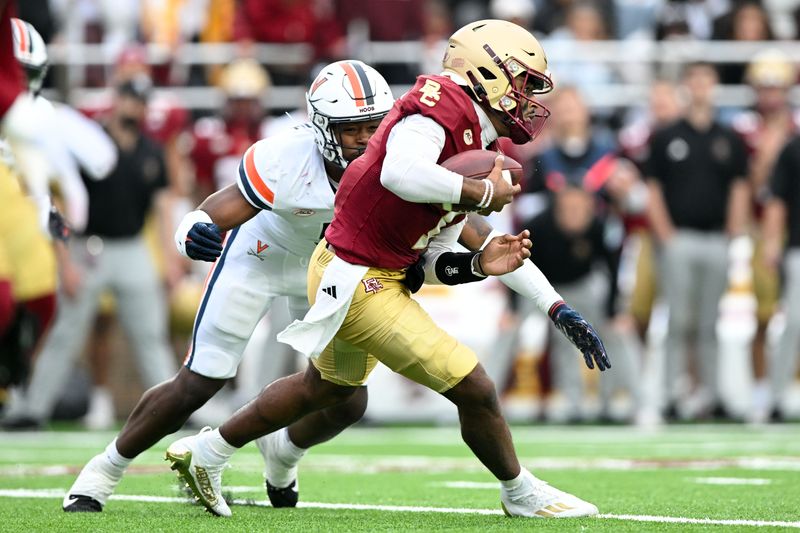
(276, 213)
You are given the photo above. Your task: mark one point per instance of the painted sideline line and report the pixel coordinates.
(58, 493)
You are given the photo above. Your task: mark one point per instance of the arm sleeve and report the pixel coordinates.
(254, 182)
(529, 282)
(444, 242)
(409, 168)
(86, 141)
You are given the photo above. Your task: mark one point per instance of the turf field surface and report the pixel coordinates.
(678, 478)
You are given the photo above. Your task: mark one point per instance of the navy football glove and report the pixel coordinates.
(204, 242)
(59, 229)
(581, 334)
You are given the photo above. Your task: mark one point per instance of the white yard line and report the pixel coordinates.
(379, 464)
(493, 485)
(730, 480)
(56, 493)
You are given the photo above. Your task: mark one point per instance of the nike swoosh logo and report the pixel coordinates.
(70, 501)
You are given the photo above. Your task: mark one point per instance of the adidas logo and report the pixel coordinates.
(330, 291)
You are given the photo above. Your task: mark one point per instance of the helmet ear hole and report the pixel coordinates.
(486, 73)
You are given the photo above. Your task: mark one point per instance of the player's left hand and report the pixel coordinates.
(581, 334)
(204, 242)
(505, 253)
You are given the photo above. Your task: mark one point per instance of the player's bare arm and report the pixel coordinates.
(227, 208)
(199, 235)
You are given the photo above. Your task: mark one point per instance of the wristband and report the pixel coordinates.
(456, 268)
(488, 191)
(491, 195)
(189, 220)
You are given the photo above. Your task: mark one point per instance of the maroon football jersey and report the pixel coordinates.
(371, 225)
(11, 77)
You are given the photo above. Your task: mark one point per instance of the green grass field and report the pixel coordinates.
(684, 478)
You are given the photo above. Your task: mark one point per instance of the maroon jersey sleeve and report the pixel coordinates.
(372, 226)
(12, 82)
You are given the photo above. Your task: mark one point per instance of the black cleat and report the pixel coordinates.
(285, 497)
(21, 423)
(77, 503)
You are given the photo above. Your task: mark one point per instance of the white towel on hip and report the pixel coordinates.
(335, 292)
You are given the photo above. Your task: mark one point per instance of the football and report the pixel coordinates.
(477, 164)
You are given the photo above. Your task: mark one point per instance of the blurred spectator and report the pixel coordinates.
(570, 241)
(111, 255)
(436, 30)
(664, 107)
(576, 146)
(698, 199)
(220, 141)
(634, 139)
(554, 14)
(386, 20)
(636, 19)
(782, 216)
(689, 19)
(748, 21)
(520, 12)
(113, 22)
(292, 21)
(765, 130)
(584, 23)
(166, 120)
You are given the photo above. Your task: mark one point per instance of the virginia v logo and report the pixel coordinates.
(260, 247)
(330, 291)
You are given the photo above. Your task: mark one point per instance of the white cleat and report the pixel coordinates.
(94, 485)
(204, 480)
(536, 499)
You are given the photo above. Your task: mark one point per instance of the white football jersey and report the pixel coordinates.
(285, 177)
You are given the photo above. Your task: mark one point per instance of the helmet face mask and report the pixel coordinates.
(524, 115)
(505, 68)
(345, 92)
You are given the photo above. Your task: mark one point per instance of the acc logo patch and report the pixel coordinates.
(372, 285)
(303, 212)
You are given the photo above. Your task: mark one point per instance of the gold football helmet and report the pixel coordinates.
(504, 67)
(244, 78)
(771, 68)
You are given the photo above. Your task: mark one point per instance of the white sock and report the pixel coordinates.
(524, 479)
(289, 451)
(215, 444)
(513, 484)
(116, 458)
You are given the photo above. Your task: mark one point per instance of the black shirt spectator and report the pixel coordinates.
(785, 185)
(118, 204)
(565, 257)
(695, 170)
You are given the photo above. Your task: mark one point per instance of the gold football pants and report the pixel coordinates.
(385, 324)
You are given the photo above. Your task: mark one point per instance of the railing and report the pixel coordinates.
(645, 58)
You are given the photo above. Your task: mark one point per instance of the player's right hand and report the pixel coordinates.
(203, 242)
(504, 191)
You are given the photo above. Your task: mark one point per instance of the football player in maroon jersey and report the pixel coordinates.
(392, 208)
